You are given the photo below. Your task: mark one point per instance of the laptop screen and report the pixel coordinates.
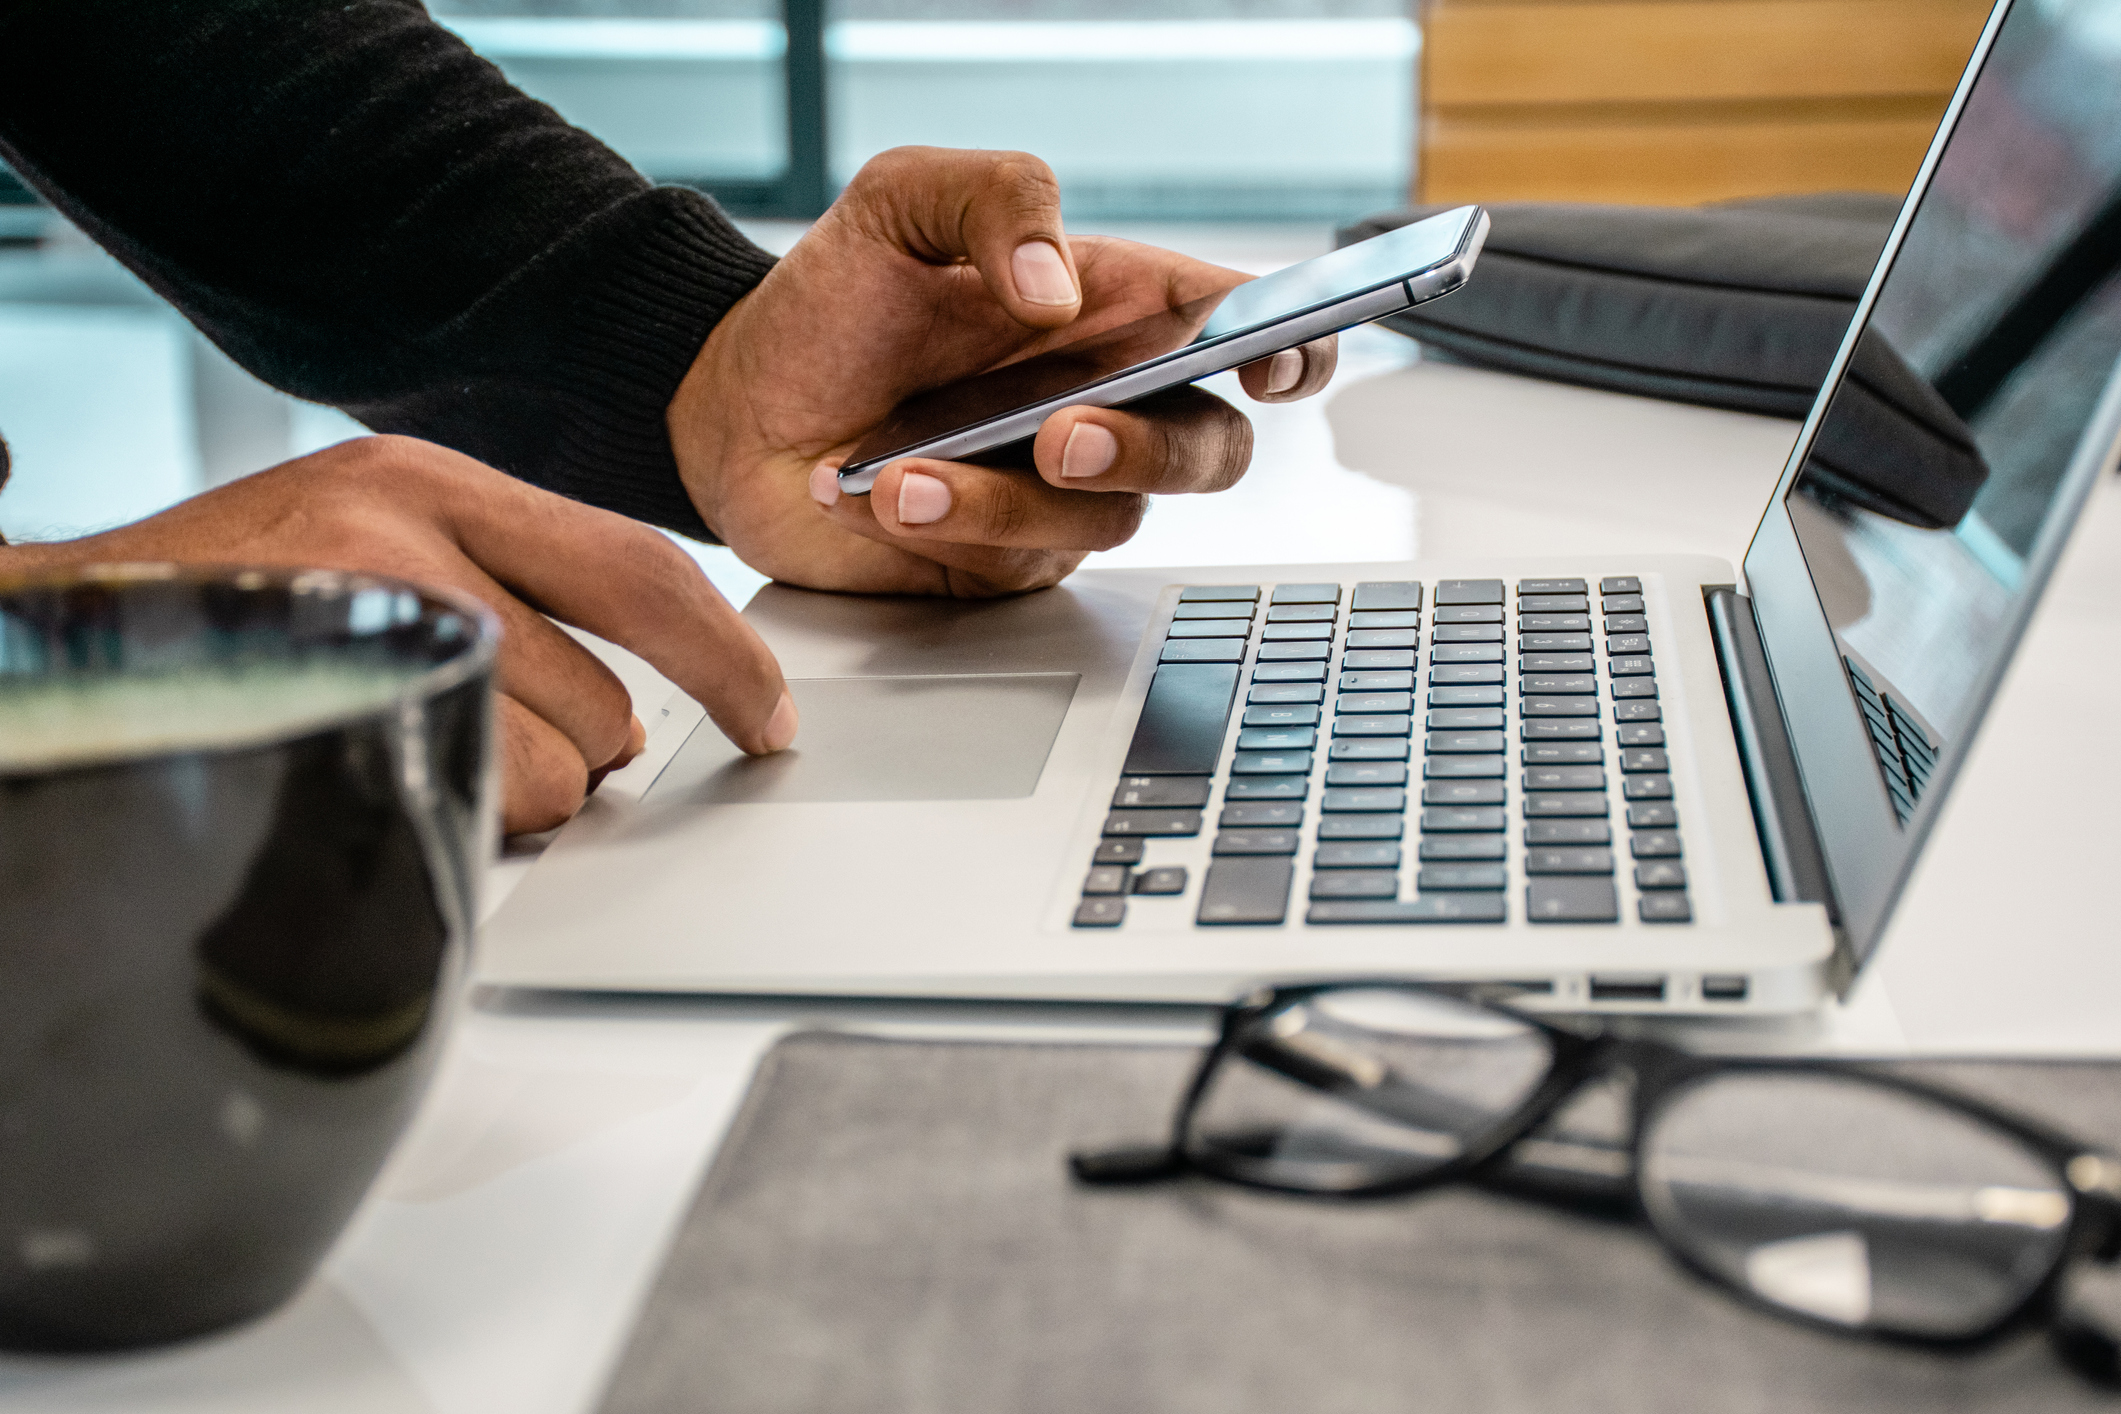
(1956, 447)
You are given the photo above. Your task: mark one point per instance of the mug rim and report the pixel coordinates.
(476, 656)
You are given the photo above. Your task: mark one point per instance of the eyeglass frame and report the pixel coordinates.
(1585, 1052)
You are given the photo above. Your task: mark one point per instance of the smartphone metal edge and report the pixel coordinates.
(1192, 362)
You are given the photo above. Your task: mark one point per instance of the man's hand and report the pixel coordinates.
(932, 266)
(415, 511)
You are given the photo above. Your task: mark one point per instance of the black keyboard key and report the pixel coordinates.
(1307, 594)
(1246, 891)
(1463, 819)
(1465, 719)
(1355, 883)
(1459, 674)
(1468, 591)
(1251, 814)
(1354, 799)
(1100, 913)
(1464, 793)
(1382, 638)
(1107, 879)
(1360, 827)
(1387, 594)
(1553, 604)
(1302, 614)
(1466, 653)
(1377, 658)
(1622, 604)
(1234, 842)
(1386, 724)
(1554, 663)
(1553, 623)
(1293, 715)
(1648, 758)
(1271, 763)
(1467, 696)
(1274, 692)
(1620, 584)
(1170, 879)
(1653, 815)
(1376, 748)
(1639, 734)
(1466, 633)
(1558, 729)
(1462, 743)
(1396, 681)
(1654, 844)
(1554, 643)
(1454, 847)
(1268, 788)
(1429, 908)
(1564, 778)
(1627, 643)
(1361, 703)
(1558, 707)
(1571, 899)
(1408, 619)
(1232, 609)
(1550, 586)
(1296, 633)
(1203, 650)
(1180, 732)
(1646, 788)
(1461, 876)
(1211, 628)
(1289, 672)
(1660, 874)
(1565, 804)
(1538, 832)
(1121, 851)
(1558, 685)
(1626, 623)
(1664, 908)
(1366, 773)
(1637, 711)
(1152, 822)
(1181, 792)
(1200, 593)
(1356, 856)
(1580, 860)
(1467, 614)
(1633, 665)
(1277, 738)
(1562, 753)
(1293, 652)
(1462, 768)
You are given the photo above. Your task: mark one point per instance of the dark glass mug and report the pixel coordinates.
(243, 816)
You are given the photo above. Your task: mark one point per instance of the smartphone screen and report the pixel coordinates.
(1122, 365)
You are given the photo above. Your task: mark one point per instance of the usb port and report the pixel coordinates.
(1723, 989)
(1627, 989)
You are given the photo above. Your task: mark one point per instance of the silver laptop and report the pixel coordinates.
(1612, 782)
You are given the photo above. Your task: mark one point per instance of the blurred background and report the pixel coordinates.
(1242, 131)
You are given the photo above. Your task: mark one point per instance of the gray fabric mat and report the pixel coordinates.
(890, 1227)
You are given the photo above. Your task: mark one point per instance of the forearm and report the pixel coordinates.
(363, 213)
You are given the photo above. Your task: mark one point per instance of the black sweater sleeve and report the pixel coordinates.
(362, 212)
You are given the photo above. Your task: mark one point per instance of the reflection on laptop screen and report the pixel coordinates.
(1936, 476)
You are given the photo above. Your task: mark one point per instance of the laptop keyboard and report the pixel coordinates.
(1391, 767)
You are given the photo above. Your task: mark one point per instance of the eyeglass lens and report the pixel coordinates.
(1852, 1202)
(1363, 1086)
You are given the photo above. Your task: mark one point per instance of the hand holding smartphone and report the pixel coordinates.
(993, 411)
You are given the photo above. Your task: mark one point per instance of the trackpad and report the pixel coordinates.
(970, 737)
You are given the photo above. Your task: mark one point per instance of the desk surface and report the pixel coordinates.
(498, 1262)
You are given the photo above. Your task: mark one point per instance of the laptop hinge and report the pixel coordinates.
(1789, 843)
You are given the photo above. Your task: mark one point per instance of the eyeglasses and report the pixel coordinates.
(1841, 1197)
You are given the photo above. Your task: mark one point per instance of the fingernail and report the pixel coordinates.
(1284, 370)
(921, 499)
(1041, 275)
(1090, 451)
(780, 727)
(825, 483)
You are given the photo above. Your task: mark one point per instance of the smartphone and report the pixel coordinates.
(995, 411)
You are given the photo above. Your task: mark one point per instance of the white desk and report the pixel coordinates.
(496, 1266)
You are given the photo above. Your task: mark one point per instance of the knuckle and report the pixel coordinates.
(1024, 182)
